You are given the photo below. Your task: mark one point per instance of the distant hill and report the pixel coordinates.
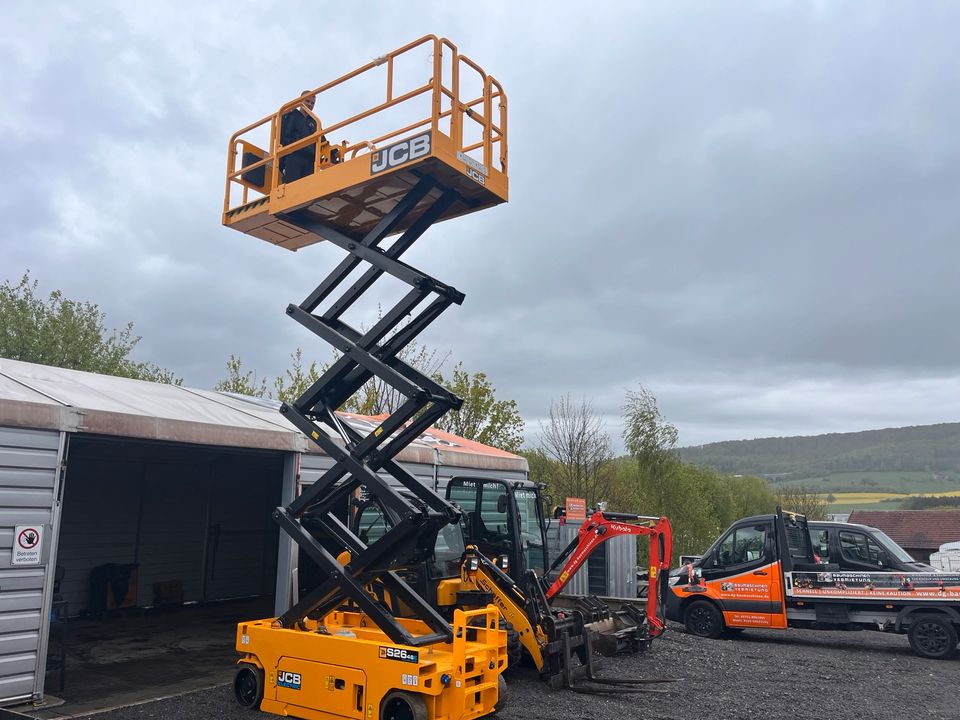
(923, 448)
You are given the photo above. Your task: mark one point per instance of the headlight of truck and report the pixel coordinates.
(673, 580)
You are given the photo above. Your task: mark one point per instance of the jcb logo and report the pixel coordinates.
(288, 679)
(400, 153)
(402, 654)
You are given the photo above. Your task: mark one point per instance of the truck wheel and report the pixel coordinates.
(503, 694)
(932, 636)
(248, 686)
(399, 705)
(702, 618)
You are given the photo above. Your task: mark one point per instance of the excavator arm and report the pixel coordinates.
(602, 526)
(557, 640)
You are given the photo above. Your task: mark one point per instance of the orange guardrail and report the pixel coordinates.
(246, 160)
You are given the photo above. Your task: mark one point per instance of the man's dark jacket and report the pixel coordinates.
(295, 126)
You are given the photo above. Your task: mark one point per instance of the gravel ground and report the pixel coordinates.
(800, 674)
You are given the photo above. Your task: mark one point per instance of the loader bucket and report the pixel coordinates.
(612, 631)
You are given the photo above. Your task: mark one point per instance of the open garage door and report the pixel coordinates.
(155, 539)
(147, 524)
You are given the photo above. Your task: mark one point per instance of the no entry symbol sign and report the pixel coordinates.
(27, 545)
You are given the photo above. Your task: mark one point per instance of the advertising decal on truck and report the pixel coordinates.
(879, 585)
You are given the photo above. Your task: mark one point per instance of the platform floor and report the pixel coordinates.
(139, 657)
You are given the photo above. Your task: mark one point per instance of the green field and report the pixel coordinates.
(874, 490)
(899, 482)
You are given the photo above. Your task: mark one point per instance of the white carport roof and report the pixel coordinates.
(40, 396)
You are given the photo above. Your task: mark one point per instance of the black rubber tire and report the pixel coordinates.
(503, 694)
(248, 686)
(400, 705)
(932, 636)
(703, 619)
(514, 648)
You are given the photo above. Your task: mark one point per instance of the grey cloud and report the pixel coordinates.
(750, 208)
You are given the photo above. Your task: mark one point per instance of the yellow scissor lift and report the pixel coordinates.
(341, 651)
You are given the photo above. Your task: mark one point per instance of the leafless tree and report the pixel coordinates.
(575, 438)
(800, 499)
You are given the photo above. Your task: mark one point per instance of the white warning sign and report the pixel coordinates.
(27, 542)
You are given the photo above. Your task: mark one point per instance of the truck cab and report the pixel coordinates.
(861, 547)
(767, 571)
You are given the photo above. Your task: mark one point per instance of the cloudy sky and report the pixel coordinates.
(753, 209)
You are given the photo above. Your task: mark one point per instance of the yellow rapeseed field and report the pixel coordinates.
(850, 498)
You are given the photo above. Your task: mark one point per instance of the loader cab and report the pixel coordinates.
(861, 548)
(504, 519)
(437, 560)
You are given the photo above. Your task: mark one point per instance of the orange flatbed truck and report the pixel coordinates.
(762, 573)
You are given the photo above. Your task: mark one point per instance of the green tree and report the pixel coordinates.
(68, 333)
(651, 442)
(240, 382)
(699, 502)
(295, 380)
(482, 417)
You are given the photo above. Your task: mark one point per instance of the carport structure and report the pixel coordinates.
(147, 495)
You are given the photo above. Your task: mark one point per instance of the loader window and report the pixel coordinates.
(494, 525)
(464, 494)
(743, 545)
(528, 505)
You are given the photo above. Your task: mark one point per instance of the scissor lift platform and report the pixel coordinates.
(395, 184)
(357, 183)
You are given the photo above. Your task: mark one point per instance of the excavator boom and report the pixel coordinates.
(602, 526)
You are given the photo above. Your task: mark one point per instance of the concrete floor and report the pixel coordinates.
(133, 658)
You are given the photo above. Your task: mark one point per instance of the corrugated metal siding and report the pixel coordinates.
(621, 566)
(611, 570)
(558, 537)
(597, 570)
(243, 536)
(100, 518)
(313, 466)
(28, 480)
(173, 529)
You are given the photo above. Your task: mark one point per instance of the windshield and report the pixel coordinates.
(891, 547)
(528, 505)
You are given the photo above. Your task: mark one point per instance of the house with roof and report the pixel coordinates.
(919, 532)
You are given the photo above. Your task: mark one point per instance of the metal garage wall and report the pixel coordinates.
(242, 536)
(621, 565)
(558, 537)
(29, 484)
(610, 571)
(102, 509)
(313, 466)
